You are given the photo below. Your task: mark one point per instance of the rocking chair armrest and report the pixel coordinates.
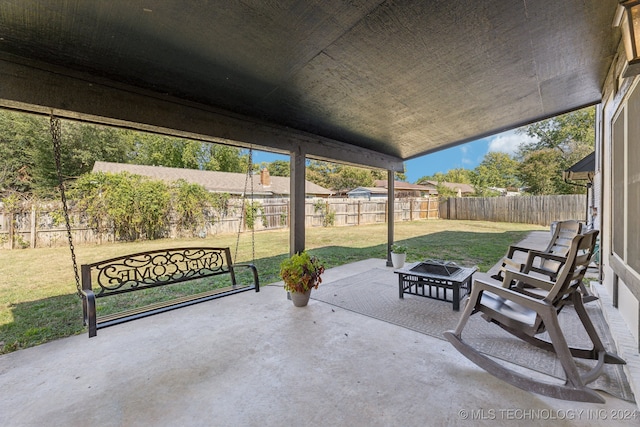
(533, 254)
(537, 282)
(513, 249)
(510, 263)
(526, 301)
(507, 283)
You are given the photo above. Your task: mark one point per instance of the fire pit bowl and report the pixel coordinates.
(437, 268)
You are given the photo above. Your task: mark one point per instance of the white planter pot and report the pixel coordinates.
(398, 259)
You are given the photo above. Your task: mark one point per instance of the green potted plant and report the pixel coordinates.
(301, 273)
(398, 255)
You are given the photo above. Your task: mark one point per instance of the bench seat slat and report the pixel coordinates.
(161, 307)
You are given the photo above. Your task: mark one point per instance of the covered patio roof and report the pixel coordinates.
(369, 82)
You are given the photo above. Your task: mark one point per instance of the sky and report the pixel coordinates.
(466, 156)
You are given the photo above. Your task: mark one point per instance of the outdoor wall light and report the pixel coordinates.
(628, 19)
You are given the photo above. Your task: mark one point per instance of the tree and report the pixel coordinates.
(444, 191)
(19, 135)
(340, 177)
(27, 163)
(496, 170)
(190, 202)
(540, 172)
(378, 174)
(564, 133)
(278, 168)
(399, 176)
(131, 205)
(319, 172)
(437, 177)
(459, 175)
(225, 158)
(80, 146)
(347, 178)
(159, 150)
(562, 141)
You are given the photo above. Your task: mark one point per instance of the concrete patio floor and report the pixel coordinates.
(254, 359)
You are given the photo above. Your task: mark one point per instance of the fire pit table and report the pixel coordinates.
(441, 280)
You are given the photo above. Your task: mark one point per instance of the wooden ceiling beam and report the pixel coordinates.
(44, 89)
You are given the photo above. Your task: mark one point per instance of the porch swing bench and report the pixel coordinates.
(204, 266)
(117, 277)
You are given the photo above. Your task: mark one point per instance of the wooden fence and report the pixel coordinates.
(39, 226)
(35, 226)
(542, 210)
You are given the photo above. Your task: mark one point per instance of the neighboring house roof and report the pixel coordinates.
(404, 186)
(370, 190)
(214, 181)
(506, 191)
(464, 188)
(583, 170)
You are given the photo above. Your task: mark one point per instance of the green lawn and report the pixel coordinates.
(38, 300)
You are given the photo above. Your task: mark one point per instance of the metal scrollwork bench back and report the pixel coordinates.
(152, 269)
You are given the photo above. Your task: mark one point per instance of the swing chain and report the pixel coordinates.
(253, 229)
(248, 178)
(55, 137)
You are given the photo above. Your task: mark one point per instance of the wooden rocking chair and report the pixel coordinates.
(528, 311)
(559, 244)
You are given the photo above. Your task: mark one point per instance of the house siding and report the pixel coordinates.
(617, 186)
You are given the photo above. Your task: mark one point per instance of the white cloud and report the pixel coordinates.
(508, 142)
(467, 161)
(464, 155)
